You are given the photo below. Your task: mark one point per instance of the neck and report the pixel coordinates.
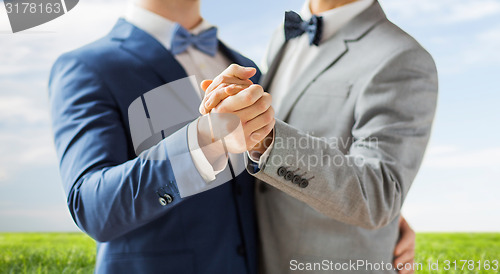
(319, 6)
(184, 12)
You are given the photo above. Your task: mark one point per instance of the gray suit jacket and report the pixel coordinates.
(353, 130)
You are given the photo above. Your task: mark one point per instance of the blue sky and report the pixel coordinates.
(456, 189)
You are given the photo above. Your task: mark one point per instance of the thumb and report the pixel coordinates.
(239, 71)
(244, 72)
(205, 83)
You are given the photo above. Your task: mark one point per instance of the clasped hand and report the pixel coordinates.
(232, 92)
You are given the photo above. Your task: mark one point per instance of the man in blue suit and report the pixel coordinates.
(145, 219)
(135, 208)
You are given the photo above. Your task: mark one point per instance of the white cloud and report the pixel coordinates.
(3, 175)
(456, 190)
(412, 8)
(25, 109)
(9, 57)
(458, 33)
(440, 150)
(453, 217)
(37, 219)
(40, 155)
(490, 35)
(32, 52)
(471, 51)
(442, 12)
(485, 50)
(472, 10)
(455, 158)
(30, 148)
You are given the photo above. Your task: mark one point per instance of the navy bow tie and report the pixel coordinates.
(205, 42)
(295, 27)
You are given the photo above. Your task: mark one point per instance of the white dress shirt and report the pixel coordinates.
(195, 62)
(298, 54)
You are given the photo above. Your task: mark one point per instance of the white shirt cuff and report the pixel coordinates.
(205, 169)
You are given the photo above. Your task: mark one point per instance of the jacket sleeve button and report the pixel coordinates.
(296, 179)
(165, 199)
(289, 176)
(304, 183)
(162, 201)
(168, 198)
(281, 171)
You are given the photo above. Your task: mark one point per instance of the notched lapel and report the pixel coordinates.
(275, 51)
(149, 50)
(330, 52)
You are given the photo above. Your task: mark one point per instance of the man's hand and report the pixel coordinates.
(253, 108)
(404, 252)
(224, 85)
(232, 92)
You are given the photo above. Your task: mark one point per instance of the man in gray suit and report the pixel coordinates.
(355, 98)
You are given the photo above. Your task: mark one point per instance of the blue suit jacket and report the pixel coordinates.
(112, 194)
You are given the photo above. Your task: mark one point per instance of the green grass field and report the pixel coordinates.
(74, 252)
(473, 247)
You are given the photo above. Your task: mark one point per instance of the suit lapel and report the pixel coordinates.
(330, 52)
(276, 50)
(149, 50)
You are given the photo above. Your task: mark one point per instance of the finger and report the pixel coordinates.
(227, 79)
(205, 83)
(407, 269)
(228, 89)
(406, 257)
(259, 135)
(219, 92)
(407, 238)
(239, 71)
(227, 82)
(259, 107)
(234, 89)
(405, 260)
(405, 242)
(203, 110)
(217, 96)
(243, 99)
(233, 71)
(404, 267)
(260, 121)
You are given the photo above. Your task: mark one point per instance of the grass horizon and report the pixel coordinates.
(74, 252)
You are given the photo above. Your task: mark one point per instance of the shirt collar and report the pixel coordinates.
(157, 26)
(335, 19)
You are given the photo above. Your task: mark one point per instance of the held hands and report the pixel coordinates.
(232, 92)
